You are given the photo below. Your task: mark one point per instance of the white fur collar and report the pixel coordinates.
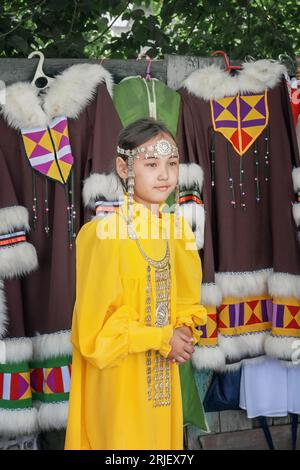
(212, 82)
(68, 95)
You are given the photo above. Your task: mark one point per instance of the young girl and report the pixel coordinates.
(137, 306)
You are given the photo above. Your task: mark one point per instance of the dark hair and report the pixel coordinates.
(137, 133)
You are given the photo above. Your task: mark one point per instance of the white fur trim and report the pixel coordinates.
(296, 179)
(69, 93)
(211, 82)
(14, 218)
(190, 174)
(284, 285)
(211, 295)
(296, 213)
(195, 216)
(101, 185)
(3, 311)
(17, 422)
(17, 260)
(52, 416)
(282, 348)
(17, 350)
(244, 284)
(208, 357)
(239, 347)
(52, 345)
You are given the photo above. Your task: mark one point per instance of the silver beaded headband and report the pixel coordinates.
(161, 149)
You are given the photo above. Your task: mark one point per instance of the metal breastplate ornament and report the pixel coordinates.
(158, 376)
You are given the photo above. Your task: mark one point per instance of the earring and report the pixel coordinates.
(130, 185)
(177, 210)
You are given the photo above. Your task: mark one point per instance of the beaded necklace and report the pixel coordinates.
(158, 378)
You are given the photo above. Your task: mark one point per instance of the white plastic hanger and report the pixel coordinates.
(40, 80)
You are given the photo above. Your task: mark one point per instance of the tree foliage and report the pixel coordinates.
(83, 28)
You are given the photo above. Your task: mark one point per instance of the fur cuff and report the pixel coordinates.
(247, 284)
(284, 348)
(211, 295)
(3, 311)
(16, 350)
(52, 416)
(14, 218)
(208, 357)
(296, 213)
(18, 422)
(284, 285)
(190, 176)
(99, 186)
(195, 216)
(240, 347)
(52, 345)
(17, 260)
(296, 179)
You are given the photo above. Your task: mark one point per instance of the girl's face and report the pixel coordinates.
(155, 178)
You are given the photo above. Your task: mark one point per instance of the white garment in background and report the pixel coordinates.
(269, 388)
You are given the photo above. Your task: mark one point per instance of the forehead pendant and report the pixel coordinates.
(163, 147)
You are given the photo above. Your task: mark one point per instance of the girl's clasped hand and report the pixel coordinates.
(182, 345)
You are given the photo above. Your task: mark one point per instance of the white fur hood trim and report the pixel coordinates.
(70, 92)
(212, 82)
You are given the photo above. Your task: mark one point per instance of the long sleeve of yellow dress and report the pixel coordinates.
(104, 329)
(189, 311)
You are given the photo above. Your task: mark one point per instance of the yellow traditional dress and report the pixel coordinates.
(109, 407)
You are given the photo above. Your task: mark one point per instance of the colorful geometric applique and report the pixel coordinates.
(51, 383)
(286, 320)
(245, 317)
(48, 149)
(240, 119)
(15, 391)
(210, 330)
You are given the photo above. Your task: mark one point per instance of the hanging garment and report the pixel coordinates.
(137, 97)
(50, 143)
(110, 406)
(239, 129)
(269, 388)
